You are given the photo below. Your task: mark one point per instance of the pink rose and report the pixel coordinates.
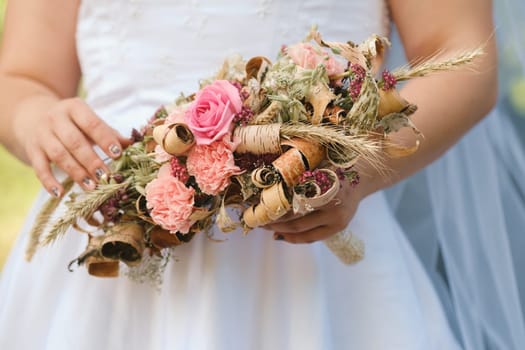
(170, 202)
(213, 165)
(210, 116)
(309, 57)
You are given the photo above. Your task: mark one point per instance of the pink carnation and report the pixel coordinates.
(213, 165)
(169, 201)
(210, 116)
(309, 57)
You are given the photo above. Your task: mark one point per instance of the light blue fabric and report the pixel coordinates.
(465, 213)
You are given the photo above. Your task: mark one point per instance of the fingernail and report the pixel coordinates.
(278, 237)
(55, 192)
(88, 182)
(99, 173)
(115, 150)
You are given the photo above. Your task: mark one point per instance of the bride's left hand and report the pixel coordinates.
(320, 223)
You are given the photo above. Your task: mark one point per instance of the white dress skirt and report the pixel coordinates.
(250, 292)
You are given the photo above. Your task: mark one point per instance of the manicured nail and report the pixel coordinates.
(55, 192)
(88, 182)
(99, 173)
(115, 149)
(278, 237)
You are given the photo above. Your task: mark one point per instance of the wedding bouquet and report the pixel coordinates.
(261, 137)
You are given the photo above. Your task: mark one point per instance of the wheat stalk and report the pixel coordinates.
(82, 208)
(43, 218)
(368, 148)
(435, 64)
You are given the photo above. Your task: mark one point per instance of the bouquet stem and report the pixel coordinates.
(347, 247)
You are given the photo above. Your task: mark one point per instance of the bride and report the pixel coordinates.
(252, 292)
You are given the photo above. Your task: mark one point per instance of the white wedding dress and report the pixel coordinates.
(249, 292)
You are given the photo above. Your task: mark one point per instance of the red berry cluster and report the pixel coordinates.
(244, 117)
(356, 80)
(389, 81)
(319, 177)
(348, 175)
(178, 170)
(246, 114)
(111, 209)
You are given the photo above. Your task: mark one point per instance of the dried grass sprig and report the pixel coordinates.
(435, 64)
(368, 148)
(43, 218)
(82, 206)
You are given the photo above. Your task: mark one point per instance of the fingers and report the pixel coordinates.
(65, 136)
(42, 169)
(296, 223)
(80, 148)
(319, 224)
(317, 234)
(109, 140)
(315, 226)
(59, 154)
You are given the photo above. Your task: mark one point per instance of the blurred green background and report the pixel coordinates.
(18, 184)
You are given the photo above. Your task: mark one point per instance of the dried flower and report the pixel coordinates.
(309, 56)
(136, 136)
(250, 161)
(161, 155)
(389, 80)
(318, 177)
(210, 116)
(117, 178)
(356, 81)
(213, 165)
(110, 210)
(176, 116)
(244, 117)
(188, 191)
(169, 201)
(348, 175)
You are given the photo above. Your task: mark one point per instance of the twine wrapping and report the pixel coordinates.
(348, 248)
(258, 139)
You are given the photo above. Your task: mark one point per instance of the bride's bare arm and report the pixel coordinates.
(449, 104)
(42, 120)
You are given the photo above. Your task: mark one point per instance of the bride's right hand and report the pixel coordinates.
(65, 136)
